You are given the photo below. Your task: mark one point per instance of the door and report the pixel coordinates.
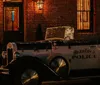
(13, 22)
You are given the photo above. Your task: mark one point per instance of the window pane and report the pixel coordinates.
(83, 14)
(11, 18)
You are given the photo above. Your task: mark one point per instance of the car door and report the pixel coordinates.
(84, 55)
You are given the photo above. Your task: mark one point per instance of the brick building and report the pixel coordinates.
(19, 19)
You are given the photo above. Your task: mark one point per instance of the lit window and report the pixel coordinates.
(12, 0)
(83, 15)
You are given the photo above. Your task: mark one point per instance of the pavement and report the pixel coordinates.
(83, 81)
(5, 79)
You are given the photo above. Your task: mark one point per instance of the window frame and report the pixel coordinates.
(92, 19)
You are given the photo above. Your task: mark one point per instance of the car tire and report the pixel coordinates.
(23, 73)
(60, 66)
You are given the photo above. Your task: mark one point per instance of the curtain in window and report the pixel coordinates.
(83, 14)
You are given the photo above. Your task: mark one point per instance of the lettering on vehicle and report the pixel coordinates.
(84, 54)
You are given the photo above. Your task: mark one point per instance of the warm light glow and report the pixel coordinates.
(59, 33)
(11, 18)
(12, 0)
(83, 14)
(40, 4)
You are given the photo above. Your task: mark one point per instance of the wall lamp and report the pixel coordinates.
(40, 4)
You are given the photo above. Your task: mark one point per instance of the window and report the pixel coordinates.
(85, 15)
(11, 18)
(12, 0)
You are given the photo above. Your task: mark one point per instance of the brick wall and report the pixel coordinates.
(1, 21)
(60, 12)
(98, 16)
(55, 13)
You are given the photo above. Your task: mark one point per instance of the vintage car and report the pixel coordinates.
(55, 58)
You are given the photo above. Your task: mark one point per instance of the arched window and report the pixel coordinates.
(85, 13)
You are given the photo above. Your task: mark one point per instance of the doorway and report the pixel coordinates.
(13, 22)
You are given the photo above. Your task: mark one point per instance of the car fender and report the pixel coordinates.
(45, 71)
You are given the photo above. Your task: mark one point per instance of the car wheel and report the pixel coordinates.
(60, 66)
(27, 77)
(23, 73)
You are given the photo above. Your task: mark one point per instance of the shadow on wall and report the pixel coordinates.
(39, 33)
